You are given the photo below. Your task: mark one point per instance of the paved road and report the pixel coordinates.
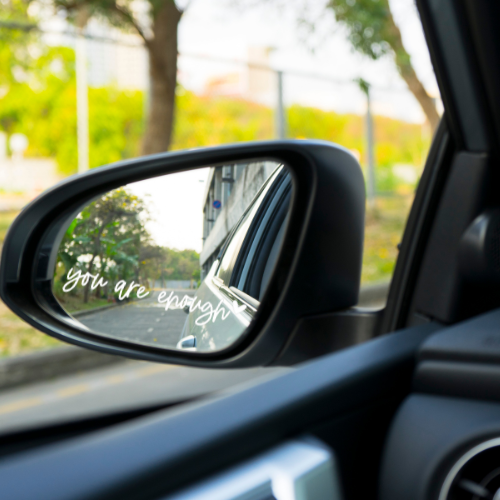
(143, 321)
(128, 385)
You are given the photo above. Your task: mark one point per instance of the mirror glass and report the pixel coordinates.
(179, 261)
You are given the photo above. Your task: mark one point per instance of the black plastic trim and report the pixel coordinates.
(463, 360)
(456, 69)
(160, 453)
(429, 434)
(465, 380)
(316, 336)
(417, 230)
(476, 340)
(28, 439)
(440, 291)
(318, 269)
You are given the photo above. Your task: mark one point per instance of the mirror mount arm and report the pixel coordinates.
(322, 334)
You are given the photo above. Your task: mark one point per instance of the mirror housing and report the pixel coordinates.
(317, 272)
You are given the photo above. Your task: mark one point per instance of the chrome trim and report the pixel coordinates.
(296, 470)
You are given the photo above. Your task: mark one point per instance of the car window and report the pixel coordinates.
(82, 89)
(236, 240)
(265, 235)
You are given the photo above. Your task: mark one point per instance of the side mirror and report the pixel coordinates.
(108, 259)
(188, 342)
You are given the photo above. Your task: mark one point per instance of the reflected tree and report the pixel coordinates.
(109, 238)
(106, 238)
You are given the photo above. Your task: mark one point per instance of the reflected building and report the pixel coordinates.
(229, 191)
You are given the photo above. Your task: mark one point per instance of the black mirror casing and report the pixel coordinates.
(318, 270)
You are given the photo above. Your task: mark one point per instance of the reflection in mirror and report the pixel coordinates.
(179, 261)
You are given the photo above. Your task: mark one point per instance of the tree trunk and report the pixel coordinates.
(405, 68)
(86, 292)
(97, 242)
(162, 52)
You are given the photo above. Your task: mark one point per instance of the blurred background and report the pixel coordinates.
(84, 83)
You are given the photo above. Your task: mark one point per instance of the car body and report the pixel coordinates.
(238, 278)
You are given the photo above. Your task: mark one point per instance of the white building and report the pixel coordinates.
(229, 192)
(124, 64)
(256, 81)
(22, 179)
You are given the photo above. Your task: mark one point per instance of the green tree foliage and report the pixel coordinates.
(395, 141)
(48, 118)
(161, 264)
(106, 239)
(372, 31)
(207, 121)
(109, 238)
(16, 58)
(181, 264)
(34, 79)
(155, 21)
(38, 98)
(44, 109)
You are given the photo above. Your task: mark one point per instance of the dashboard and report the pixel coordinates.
(413, 415)
(444, 442)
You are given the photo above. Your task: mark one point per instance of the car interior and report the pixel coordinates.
(391, 404)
